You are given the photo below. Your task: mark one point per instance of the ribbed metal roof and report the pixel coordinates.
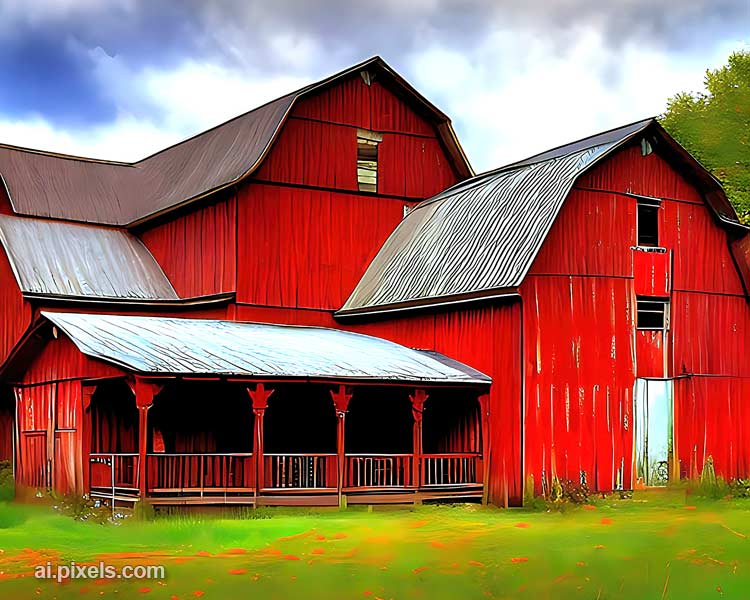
(483, 234)
(64, 259)
(160, 345)
(45, 184)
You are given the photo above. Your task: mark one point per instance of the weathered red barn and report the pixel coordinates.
(319, 299)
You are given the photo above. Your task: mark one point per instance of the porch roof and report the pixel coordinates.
(175, 346)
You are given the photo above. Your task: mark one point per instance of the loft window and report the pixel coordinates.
(648, 224)
(367, 160)
(652, 314)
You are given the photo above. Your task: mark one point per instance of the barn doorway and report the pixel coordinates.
(654, 431)
(7, 413)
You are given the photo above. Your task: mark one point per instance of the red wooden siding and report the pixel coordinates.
(702, 256)
(15, 312)
(197, 250)
(713, 419)
(307, 248)
(579, 376)
(575, 325)
(61, 360)
(488, 339)
(352, 102)
(629, 171)
(7, 416)
(592, 236)
(652, 272)
(710, 334)
(50, 418)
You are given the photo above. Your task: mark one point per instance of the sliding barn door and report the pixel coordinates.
(654, 430)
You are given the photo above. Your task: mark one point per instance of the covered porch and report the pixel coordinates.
(217, 412)
(222, 442)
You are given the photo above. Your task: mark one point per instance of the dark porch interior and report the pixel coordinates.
(204, 437)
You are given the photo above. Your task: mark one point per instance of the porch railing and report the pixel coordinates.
(451, 469)
(200, 473)
(300, 471)
(378, 470)
(114, 473)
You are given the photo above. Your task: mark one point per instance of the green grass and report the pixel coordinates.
(649, 547)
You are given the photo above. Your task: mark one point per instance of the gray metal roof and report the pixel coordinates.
(63, 259)
(482, 235)
(162, 345)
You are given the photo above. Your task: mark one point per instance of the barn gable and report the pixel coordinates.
(51, 185)
(479, 238)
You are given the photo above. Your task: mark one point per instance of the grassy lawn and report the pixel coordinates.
(649, 547)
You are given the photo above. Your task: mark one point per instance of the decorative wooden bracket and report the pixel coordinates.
(341, 397)
(259, 395)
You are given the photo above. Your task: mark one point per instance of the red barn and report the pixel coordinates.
(318, 299)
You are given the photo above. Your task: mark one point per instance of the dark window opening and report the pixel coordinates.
(648, 225)
(367, 160)
(651, 314)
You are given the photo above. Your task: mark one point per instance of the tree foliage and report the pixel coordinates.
(714, 125)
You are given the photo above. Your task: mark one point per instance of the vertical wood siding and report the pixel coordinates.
(578, 397)
(15, 312)
(488, 339)
(303, 248)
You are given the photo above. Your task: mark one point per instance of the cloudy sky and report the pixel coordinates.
(120, 79)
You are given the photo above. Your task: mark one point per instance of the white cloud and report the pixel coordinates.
(512, 95)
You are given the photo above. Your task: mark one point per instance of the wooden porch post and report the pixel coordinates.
(341, 397)
(144, 399)
(417, 408)
(87, 393)
(259, 395)
(484, 408)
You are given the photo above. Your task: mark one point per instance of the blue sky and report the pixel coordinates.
(120, 79)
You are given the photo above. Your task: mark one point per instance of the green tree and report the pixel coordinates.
(714, 125)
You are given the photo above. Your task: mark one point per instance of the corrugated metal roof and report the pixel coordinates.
(45, 184)
(159, 345)
(484, 233)
(64, 259)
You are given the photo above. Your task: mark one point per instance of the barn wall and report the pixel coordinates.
(487, 339)
(51, 417)
(197, 250)
(15, 312)
(579, 312)
(7, 414)
(304, 248)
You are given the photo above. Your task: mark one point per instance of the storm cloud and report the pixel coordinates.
(79, 73)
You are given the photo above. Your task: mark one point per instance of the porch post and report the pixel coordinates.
(144, 399)
(341, 397)
(87, 393)
(259, 395)
(484, 407)
(417, 408)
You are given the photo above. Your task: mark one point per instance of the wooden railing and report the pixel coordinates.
(451, 469)
(114, 473)
(300, 471)
(200, 473)
(378, 470)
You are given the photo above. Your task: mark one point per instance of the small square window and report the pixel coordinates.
(367, 160)
(648, 224)
(652, 314)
